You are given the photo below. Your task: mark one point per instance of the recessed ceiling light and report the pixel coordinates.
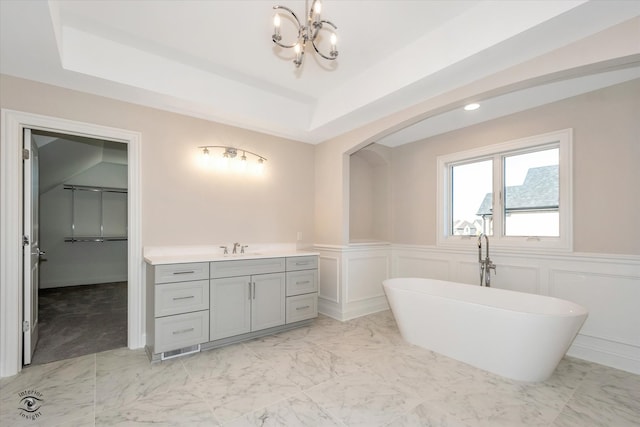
(471, 107)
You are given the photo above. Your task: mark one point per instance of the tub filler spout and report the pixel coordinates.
(486, 265)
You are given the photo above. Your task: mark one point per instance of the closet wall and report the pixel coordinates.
(70, 263)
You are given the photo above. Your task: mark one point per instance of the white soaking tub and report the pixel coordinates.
(514, 334)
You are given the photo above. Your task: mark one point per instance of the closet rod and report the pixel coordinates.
(94, 188)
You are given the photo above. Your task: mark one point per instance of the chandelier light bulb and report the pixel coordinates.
(334, 39)
(317, 8)
(276, 20)
(296, 48)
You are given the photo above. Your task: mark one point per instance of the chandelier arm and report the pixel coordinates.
(287, 46)
(329, 23)
(291, 12)
(313, 43)
(284, 45)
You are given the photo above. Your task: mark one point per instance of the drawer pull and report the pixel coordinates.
(182, 331)
(178, 298)
(303, 282)
(184, 272)
(302, 263)
(303, 308)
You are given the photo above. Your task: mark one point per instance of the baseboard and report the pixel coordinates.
(330, 309)
(352, 310)
(620, 356)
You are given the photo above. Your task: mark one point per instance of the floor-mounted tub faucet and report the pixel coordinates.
(486, 265)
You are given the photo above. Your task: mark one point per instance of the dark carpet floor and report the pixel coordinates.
(79, 320)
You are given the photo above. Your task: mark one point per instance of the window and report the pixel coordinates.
(518, 192)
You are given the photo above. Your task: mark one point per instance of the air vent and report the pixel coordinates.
(180, 352)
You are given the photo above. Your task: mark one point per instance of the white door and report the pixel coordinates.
(230, 308)
(32, 253)
(268, 305)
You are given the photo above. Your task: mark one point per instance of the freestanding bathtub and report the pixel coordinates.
(514, 334)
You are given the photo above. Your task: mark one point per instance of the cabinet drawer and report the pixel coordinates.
(246, 267)
(302, 282)
(181, 330)
(168, 273)
(302, 263)
(182, 297)
(302, 307)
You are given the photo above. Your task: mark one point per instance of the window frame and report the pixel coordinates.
(563, 139)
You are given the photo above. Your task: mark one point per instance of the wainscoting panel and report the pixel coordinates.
(516, 278)
(330, 278)
(413, 266)
(365, 275)
(612, 301)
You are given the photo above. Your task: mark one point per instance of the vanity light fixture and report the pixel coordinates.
(307, 33)
(472, 106)
(229, 153)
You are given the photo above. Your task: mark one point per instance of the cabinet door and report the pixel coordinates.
(268, 301)
(230, 308)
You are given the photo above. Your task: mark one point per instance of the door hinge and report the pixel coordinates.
(25, 326)
(25, 154)
(25, 240)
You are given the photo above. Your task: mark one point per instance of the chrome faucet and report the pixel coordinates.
(486, 265)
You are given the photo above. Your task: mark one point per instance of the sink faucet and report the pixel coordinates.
(486, 265)
(235, 248)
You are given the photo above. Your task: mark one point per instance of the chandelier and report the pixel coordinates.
(307, 33)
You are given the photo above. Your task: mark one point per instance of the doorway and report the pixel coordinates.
(80, 305)
(12, 125)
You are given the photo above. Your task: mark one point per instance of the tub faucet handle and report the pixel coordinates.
(226, 250)
(242, 248)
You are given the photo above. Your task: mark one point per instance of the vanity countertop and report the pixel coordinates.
(180, 255)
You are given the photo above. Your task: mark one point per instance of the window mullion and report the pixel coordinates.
(498, 197)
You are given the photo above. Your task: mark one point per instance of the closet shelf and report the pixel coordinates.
(101, 237)
(94, 188)
(97, 239)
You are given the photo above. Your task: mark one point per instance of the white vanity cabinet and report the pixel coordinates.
(246, 303)
(177, 306)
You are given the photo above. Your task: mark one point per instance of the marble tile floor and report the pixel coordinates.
(356, 373)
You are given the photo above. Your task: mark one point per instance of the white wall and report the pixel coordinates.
(83, 263)
(184, 203)
(606, 149)
(369, 194)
